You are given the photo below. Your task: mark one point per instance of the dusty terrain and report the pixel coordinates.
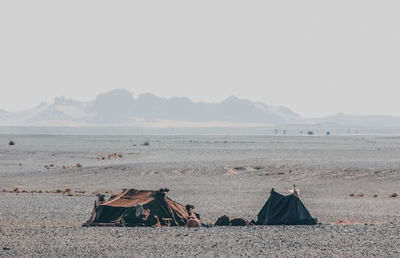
(218, 175)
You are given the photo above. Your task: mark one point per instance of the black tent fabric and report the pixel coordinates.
(284, 210)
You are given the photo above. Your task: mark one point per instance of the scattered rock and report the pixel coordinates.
(231, 171)
(81, 191)
(347, 222)
(352, 222)
(112, 155)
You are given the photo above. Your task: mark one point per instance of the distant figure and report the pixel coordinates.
(11, 143)
(310, 132)
(284, 131)
(276, 131)
(328, 133)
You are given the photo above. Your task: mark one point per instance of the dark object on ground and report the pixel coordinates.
(146, 143)
(239, 222)
(310, 132)
(224, 220)
(11, 143)
(284, 210)
(192, 223)
(6, 249)
(141, 208)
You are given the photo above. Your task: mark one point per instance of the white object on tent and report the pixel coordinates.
(295, 191)
(139, 210)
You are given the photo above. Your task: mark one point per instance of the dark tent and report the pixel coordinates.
(142, 208)
(284, 210)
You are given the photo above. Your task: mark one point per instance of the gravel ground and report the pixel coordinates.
(218, 175)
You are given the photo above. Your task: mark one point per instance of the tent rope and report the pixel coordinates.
(169, 209)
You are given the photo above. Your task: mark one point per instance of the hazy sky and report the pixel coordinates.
(315, 57)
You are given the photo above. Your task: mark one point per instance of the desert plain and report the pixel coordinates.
(342, 178)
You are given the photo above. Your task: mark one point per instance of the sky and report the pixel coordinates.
(315, 57)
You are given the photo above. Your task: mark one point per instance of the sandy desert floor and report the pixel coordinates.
(218, 175)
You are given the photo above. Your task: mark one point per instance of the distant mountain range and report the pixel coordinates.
(364, 121)
(120, 108)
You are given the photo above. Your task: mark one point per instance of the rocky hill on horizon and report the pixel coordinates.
(120, 108)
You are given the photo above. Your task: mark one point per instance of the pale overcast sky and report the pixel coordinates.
(315, 57)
